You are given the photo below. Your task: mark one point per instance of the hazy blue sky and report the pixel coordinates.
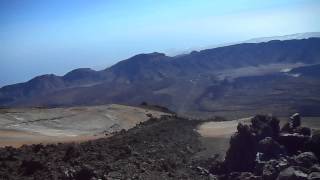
(55, 36)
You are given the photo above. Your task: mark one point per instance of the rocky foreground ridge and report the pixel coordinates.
(261, 150)
(167, 147)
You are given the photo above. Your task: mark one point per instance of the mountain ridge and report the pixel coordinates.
(154, 54)
(176, 82)
(296, 36)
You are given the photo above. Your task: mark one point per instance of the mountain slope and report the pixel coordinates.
(231, 78)
(296, 36)
(285, 37)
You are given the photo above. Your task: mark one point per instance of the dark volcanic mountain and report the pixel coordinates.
(244, 78)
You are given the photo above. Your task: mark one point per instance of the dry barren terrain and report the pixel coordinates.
(40, 125)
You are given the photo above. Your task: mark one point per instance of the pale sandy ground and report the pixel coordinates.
(215, 136)
(19, 138)
(76, 124)
(220, 129)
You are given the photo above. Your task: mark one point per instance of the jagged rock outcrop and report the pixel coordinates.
(265, 126)
(293, 173)
(306, 159)
(271, 168)
(294, 137)
(261, 151)
(314, 144)
(294, 142)
(242, 152)
(244, 143)
(269, 148)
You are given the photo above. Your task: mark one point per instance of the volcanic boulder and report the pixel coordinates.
(260, 151)
(293, 173)
(242, 152)
(314, 144)
(306, 159)
(269, 148)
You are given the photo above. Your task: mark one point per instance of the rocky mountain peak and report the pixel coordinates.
(148, 56)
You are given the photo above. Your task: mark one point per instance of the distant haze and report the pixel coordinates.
(41, 37)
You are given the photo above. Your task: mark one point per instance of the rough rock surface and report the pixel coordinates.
(314, 176)
(242, 152)
(306, 159)
(265, 126)
(155, 149)
(292, 173)
(261, 151)
(269, 148)
(166, 148)
(314, 144)
(244, 143)
(294, 142)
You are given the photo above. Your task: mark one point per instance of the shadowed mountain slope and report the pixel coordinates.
(235, 78)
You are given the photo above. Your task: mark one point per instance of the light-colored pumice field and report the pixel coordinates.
(41, 125)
